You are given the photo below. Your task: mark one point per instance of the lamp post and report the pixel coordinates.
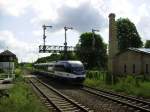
(93, 33)
(65, 44)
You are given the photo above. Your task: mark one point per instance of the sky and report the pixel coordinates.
(21, 22)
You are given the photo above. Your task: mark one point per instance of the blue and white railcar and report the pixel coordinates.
(68, 70)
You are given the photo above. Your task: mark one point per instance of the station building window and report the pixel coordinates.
(125, 68)
(146, 68)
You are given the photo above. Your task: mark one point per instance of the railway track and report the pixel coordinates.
(137, 105)
(55, 100)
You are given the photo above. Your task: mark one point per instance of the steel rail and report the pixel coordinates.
(75, 104)
(119, 95)
(110, 97)
(45, 96)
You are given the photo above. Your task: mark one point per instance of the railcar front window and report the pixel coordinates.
(78, 70)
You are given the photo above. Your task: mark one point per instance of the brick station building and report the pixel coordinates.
(132, 61)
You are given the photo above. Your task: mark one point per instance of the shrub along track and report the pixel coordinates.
(134, 104)
(55, 100)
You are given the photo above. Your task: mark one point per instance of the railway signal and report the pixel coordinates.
(55, 49)
(65, 44)
(58, 49)
(44, 36)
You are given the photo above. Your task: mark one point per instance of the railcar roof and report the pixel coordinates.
(70, 62)
(58, 62)
(44, 63)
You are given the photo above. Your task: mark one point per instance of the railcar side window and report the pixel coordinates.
(78, 68)
(59, 68)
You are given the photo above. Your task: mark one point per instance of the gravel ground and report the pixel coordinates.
(98, 104)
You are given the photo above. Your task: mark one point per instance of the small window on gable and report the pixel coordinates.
(125, 68)
(146, 68)
(133, 68)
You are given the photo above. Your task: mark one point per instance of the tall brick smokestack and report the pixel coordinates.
(113, 44)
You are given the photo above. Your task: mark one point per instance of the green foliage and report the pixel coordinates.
(96, 75)
(92, 56)
(92, 83)
(16, 63)
(1, 70)
(108, 78)
(129, 84)
(134, 86)
(56, 57)
(52, 57)
(18, 72)
(21, 99)
(95, 78)
(127, 34)
(70, 56)
(147, 44)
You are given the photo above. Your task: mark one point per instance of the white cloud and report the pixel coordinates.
(14, 7)
(24, 51)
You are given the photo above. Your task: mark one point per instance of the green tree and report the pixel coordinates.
(70, 56)
(127, 34)
(56, 57)
(147, 44)
(52, 57)
(92, 56)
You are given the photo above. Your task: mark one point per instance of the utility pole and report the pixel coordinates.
(65, 44)
(44, 36)
(93, 33)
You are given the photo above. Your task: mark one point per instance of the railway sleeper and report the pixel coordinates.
(70, 109)
(66, 106)
(60, 102)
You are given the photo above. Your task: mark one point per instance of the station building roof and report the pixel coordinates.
(7, 53)
(5, 56)
(141, 50)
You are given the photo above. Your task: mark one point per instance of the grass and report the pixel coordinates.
(129, 85)
(21, 99)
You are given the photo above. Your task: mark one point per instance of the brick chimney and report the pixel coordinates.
(113, 44)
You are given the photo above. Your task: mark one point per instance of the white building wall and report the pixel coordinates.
(6, 66)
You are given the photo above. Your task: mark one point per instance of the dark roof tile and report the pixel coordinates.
(7, 53)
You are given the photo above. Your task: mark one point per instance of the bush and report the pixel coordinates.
(18, 72)
(129, 84)
(96, 75)
(1, 70)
